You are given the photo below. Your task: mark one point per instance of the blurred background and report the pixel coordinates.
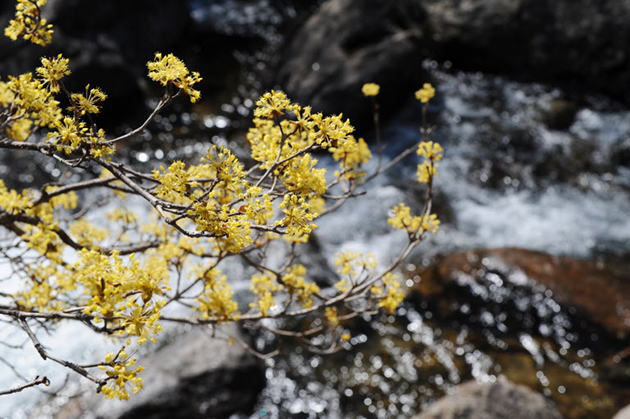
(528, 281)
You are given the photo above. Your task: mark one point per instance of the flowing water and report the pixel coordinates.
(511, 176)
(525, 165)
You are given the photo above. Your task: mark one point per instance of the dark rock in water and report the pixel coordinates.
(194, 376)
(599, 294)
(138, 28)
(580, 40)
(347, 43)
(108, 44)
(559, 114)
(498, 400)
(621, 153)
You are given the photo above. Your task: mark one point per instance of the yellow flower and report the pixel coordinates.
(28, 22)
(87, 103)
(53, 70)
(332, 315)
(69, 134)
(394, 295)
(430, 150)
(272, 104)
(370, 89)
(426, 93)
(170, 69)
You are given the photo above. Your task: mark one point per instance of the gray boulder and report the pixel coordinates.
(195, 376)
(498, 400)
(623, 413)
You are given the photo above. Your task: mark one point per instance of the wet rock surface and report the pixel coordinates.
(350, 42)
(498, 400)
(194, 376)
(601, 295)
(347, 43)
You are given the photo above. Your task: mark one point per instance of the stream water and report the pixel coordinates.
(510, 177)
(526, 165)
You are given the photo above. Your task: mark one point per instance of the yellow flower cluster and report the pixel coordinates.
(301, 177)
(53, 70)
(29, 23)
(390, 295)
(169, 69)
(29, 97)
(121, 372)
(332, 315)
(31, 101)
(351, 156)
(87, 103)
(297, 286)
(402, 219)
(227, 172)
(370, 89)
(176, 182)
(271, 140)
(216, 298)
(45, 285)
(13, 202)
(265, 286)
(297, 219)
(353, 264)
(426, 93)
(432, 152)
(123, 292)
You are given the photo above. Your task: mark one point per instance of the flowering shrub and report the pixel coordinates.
(118, 280)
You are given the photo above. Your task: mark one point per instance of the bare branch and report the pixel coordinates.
(37, 381)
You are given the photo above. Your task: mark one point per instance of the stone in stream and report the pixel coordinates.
(194, 376)
(346, 43)
(498, 400)
(601, 295)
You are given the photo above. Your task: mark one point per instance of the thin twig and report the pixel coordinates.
(37, 381)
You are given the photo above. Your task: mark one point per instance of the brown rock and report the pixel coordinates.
(601, 295)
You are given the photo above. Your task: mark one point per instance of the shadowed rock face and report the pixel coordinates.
(350, 42)
(194, 376)
(347, 43)
(499, 400)
(108, 44)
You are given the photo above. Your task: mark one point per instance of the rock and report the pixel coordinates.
(108, 44)
(559, 114)
(623, 413)
(601, 295)
(194, 376)
(498, 400)
(562, 40)
(347, 43)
